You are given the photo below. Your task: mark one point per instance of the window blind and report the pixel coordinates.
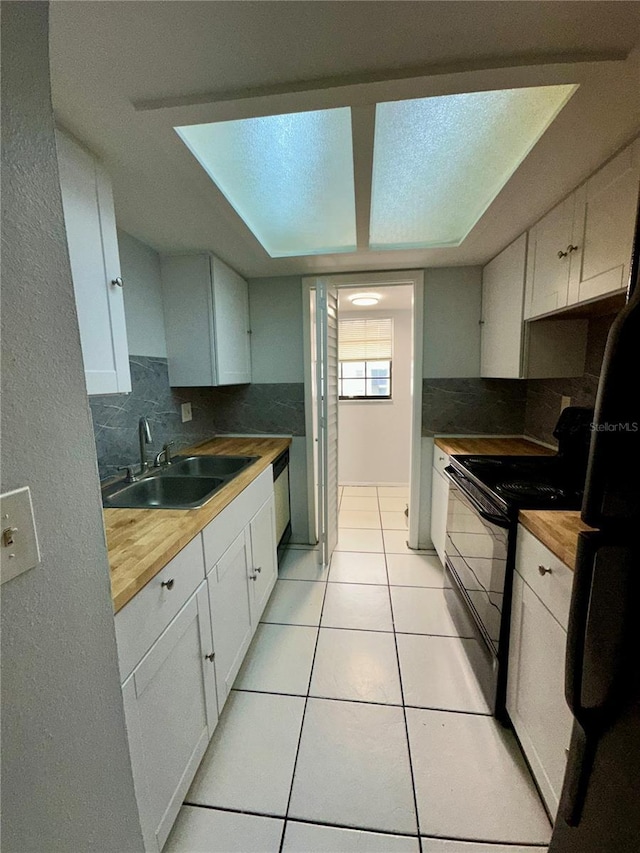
(365, 340)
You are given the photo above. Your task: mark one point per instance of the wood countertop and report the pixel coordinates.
(492, 446)
(557, 530)
(140, 542)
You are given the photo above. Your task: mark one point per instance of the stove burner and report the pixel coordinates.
(519, 489)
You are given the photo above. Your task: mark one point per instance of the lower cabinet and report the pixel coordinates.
(181, 642)
(171, 712)
(230, 613)
(535, 689)
(439, 501)
(239, 587)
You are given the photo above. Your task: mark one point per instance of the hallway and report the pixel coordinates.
(355, 723)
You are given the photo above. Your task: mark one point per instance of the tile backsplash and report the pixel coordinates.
(544, 396)
(473, 406)
(276, 408)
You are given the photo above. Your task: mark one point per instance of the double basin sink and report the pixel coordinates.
(188, 483)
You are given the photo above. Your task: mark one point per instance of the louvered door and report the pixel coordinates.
(327, 385)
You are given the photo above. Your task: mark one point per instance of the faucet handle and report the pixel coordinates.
(130, 469)
(167, 451)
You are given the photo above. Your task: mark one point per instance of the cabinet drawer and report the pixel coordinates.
(144, 618)
(553, 585)
(440, 460)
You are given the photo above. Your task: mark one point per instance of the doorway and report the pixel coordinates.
(389, 440)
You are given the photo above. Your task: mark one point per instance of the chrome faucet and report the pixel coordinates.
(144, 434)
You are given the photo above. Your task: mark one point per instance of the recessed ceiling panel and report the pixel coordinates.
(440, 162)
(289, 177)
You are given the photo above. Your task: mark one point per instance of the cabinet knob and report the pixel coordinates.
(572, 248)
(258, 569)
(253, 576)
(210, 657)
(168, 584)
(544, 570)
(117, 282)
(562, 254)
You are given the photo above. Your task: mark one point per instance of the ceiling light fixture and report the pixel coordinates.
(365, 300)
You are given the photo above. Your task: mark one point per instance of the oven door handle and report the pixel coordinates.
(457, 479)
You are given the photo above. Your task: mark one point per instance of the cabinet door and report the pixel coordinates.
(171, 712)
(230, 613)
(439, 504)
(605, 220)
(502, 306)
(264, 563)
(186, 298)
(95, 265)
(547, 284)
(231, 321)
(535, 690)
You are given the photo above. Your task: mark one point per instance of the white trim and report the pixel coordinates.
(377, 279)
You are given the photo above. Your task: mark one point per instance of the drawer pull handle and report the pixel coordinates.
(168, 584)
(210, 657)
(544, 570)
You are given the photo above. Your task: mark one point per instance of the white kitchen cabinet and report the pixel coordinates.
(229, 597)
(90, 224)
(439, 501)
(604, 226)
(502, 319)
(264, 559)
(535, 686)
(512, 348)
(549, 259)
(206, 310)
(171, 712)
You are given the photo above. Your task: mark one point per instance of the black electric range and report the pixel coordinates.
(485, 496)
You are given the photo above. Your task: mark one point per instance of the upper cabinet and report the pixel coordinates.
(206, 308)
(513, 349)
(90, 224)
(581, 250)
(549, 260)
(605, 218)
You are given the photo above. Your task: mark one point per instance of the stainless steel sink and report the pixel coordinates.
(162, 492)
(208, 466)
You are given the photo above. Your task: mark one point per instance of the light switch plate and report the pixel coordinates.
(186, 412)
(19, 550)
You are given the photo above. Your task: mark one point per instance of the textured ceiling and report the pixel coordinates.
(125, 73)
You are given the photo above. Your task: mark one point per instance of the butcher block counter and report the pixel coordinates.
(141, 542)
(557, 530)
(492, 446)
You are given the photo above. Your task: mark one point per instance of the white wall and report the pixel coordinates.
(452, 305)
(140, 266)
(375, 436)
(276, 324)
(66, 774)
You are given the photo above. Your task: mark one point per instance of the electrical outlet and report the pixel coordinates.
(566, 401)
(187, 414)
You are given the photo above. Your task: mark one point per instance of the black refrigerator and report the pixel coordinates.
(599, 809)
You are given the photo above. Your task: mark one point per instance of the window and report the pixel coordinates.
(365, 350)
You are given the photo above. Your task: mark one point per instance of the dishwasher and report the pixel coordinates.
(282, 501)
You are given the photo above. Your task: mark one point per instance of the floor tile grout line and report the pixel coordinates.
(304, 712)
(404, 712)
(393, 833)
(372, 630)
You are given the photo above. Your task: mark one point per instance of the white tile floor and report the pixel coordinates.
(356, 724)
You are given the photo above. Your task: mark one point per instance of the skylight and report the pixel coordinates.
(439, 162)
(289, 177)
